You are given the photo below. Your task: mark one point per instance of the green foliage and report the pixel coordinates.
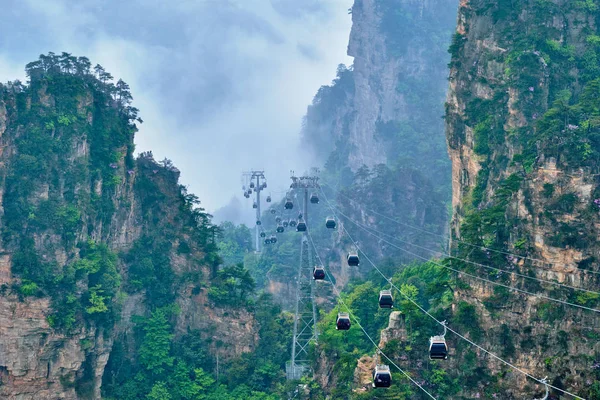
(156, 343)
(232, 286)
(234, 243)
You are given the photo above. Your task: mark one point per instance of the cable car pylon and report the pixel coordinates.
(305, 316)
(256, 183)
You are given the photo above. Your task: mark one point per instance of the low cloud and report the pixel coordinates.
(222, 85)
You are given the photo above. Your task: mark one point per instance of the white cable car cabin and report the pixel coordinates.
(438, 349)
(382, 377)
(330, 223)
(318, 273)
(353, 259)
(386, 300)
(343, 321)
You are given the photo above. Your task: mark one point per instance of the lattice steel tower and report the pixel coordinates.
(305, 321)
(256, 182)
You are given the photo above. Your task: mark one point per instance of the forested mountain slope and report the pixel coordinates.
(108, 267)
(524, 138)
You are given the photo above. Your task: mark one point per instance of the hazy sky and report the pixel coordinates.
(222, 85)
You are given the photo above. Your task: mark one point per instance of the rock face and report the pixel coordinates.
(69, 185)
(522, 135)
(386, 109)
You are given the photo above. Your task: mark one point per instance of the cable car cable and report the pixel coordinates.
(464, 242)
(480, 278)
(338, 294)
(367, 228)
(439, 322)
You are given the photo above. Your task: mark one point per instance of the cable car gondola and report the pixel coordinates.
(318, 273)
(301, 227)
(251, 185)
(386, 300)
(300, 216)
(280, 229)
(254, 205)
(382, 377)
(273, 211)
(292, 223)
(277, 220)
(267, 241)
(353, 259)
(314, 199)
(438, 349)
(285, 223)
(330, 223)
(273, 239)
(268, 199)
(258, 222)
(264, 185)
(262, 235)
(288, 204)
(343, 321)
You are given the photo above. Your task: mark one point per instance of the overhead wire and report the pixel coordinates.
(540, 381)
(478, 277)
(357, 322)
(445, 236)
(500, 270)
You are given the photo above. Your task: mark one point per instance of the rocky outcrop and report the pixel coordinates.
(523, 181)
(68, 178)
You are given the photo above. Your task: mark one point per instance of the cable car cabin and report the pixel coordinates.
(386, 300)
(318, 273)
(288, 204)
(264, 185)
(353, 259)
(292, 223)
(301, 227)
(277, 220)
(254, 205)
(251, 185)
(273, 239)
(330, 223)
(314, 199)
(382, 377)
(343, 321)
(262, 235)
(246, 195)
(280, 229)
(273, 211)
(268, 199)
(438, 350)
(258, 222)
(285, 223)
(300, 216)
(267, 241)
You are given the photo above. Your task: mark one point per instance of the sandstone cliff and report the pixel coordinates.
(75, 203)
(522, 135)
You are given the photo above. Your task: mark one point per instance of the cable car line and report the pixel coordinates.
(338, 294)
(478, 277)
(367, 228)
(540, 381)
(445, 236)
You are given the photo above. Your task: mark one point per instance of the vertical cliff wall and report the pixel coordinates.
(92, 237)
(523, 135)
